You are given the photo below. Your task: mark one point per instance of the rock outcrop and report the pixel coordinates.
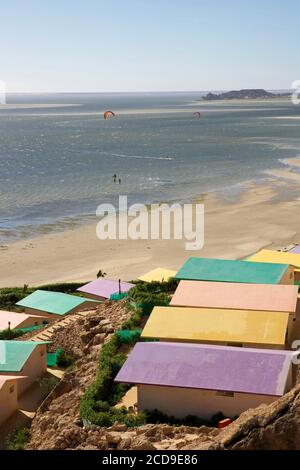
(268, 427)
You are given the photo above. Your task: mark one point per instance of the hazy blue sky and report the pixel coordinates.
(148, 45)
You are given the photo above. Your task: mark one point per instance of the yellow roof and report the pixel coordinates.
(217, 325)
(281, 257)
(158, 274)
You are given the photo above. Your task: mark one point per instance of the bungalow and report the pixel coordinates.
(15, 320)
(243, 328)
(193, 379)
(221, 270)
(53, 305)
(268, 297)
(102, 289)
(271, 256)
(8, 396)
(23, 358)
(158, 275)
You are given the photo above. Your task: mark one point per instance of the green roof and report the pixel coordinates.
(219, 270)
(52, 302)
(14, 354)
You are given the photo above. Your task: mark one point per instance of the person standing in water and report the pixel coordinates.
(119, 180)
(115, 178)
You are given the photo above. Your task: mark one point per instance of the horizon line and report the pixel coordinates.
(143, 91)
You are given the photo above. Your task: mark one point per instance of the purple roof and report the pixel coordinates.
(105, 287)
(259, 371)
(295, 250)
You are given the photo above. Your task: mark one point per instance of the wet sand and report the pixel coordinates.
(264, 215)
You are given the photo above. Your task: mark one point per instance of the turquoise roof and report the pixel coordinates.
(52, 302)
(14, 354)
(220, 270)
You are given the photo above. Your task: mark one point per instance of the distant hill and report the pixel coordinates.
(247, 94)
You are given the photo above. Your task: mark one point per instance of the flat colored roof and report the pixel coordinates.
(52, 302)
(270, 297)
(217, 325)
(220, 270)
(158, 274)
(14, 354)
(105, 287)
(14, 318)
(270, 256)
(201, 366)
(295, 250)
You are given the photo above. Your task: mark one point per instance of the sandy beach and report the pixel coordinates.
(263, 215)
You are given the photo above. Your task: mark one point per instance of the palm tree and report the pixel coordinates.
(101, 273)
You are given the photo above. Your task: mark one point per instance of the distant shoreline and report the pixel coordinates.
(244, 94)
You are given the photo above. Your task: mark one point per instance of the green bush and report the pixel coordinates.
(146, 295)
(135, 319)
(9, 296)
(97, 403)
(64, 359)
(65, 287)
(18, 439)
(157, 417)
(10, 334)
(154, 287)
(49, 383)
(128, 336)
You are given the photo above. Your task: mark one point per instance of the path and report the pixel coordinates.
(47, 333)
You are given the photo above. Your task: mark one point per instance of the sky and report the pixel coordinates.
(148, 45)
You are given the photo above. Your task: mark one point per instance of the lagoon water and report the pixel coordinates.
(57, 162)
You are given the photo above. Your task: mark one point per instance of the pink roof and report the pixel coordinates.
(105, 287)
(14, 318)
(269, 297)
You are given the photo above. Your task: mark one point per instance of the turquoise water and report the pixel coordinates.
(56, 164)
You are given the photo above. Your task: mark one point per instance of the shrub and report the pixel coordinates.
(135, 319)
(64, 359)
(157, 417)
(9, 296)
(128, 336)
(18, 439)
(49, 383)
(147, 295)
(10, 334)
(101, 273)
(97, 403)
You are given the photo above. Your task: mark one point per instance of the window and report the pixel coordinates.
(221, 393)
(11, 389)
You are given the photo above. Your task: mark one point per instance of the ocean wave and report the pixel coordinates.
(121, 155)
(290, 162)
